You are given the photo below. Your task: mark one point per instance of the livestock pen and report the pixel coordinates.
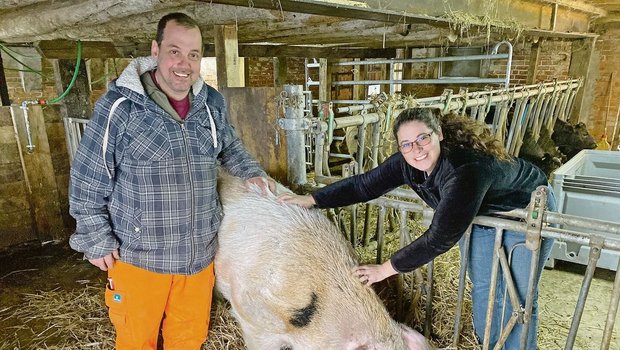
(519, 110)
(48, 327)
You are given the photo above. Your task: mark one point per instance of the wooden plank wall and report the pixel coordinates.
(252, 112)
(33, 185)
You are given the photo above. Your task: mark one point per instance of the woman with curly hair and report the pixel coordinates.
(460, 170)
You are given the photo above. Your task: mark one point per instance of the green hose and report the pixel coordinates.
(75, 74)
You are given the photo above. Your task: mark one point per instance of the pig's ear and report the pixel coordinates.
(413, 339)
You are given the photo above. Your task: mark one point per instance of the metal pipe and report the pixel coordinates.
(380, 233)
(295, 134)
(613, 311)
(517, 313)
(492, 289)
(19, 149)
(319, 144)
(461, 291)
(404, 241)
(353, 120)
(366, 232)
(596, 244)
(340, 102)
(479, 97)
(429, 59)
(509, 57)
(375, 144)
(421, 81)
(428, 313)
(24, 106)
(361, 147)
(509, 224)
(353, 223)
(341, 155)
(533, 238)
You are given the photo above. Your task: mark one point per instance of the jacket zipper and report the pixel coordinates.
(191, 186)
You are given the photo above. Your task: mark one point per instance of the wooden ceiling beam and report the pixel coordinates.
(67, 49)
(318, 52)
(336, 10)
(579, 6)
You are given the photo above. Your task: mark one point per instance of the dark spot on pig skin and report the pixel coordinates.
(302, 317)
(286, 347)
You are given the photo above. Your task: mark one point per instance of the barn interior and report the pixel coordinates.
(346, 59)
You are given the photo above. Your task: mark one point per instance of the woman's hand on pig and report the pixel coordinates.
(369, 274)
(306, 201)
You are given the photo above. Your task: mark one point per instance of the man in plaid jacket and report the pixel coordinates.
(143, 191)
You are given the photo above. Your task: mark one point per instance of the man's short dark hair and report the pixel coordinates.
(181, 18)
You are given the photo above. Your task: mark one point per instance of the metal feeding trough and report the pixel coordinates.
(588, 185)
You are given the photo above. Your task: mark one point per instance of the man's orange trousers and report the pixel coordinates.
(141, 303)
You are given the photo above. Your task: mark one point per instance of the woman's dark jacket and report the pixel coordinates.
(463, 184)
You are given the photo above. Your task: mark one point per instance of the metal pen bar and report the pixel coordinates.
(426, 59)
(517, 313)
(596, 244)
(461, 291)
(480, 97)
(492, 289)
(420, 81)
(613, 311)
(428, 313)
(380, 233)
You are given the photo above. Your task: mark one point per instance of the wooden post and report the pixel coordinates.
(280, 71)
(532, 70)
(255, 117)
(386, 74)
(359, 73)
(4, 90)
(325, 80)
(229, 66)
(581, 59)
(16, 212)
(407, 71)
(76, 103)
(38, 171)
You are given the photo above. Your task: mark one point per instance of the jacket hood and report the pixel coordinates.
(130, 77)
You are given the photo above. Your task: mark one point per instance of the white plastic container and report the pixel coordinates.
(588, 185)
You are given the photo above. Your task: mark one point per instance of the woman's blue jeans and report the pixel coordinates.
(479, 270)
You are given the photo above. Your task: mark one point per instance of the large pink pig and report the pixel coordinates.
(286, 271)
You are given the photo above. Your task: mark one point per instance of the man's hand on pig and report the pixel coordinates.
(265, 184)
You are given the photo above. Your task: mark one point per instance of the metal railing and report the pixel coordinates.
(74, 128)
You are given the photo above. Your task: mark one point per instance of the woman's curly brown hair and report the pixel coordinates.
(458, 132)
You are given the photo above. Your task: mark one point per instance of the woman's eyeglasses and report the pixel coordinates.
(421, 141)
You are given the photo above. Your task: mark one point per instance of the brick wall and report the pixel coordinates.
(520, 64)
(554, 60)
(606, 98)
(260, 71)
(17, 93)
